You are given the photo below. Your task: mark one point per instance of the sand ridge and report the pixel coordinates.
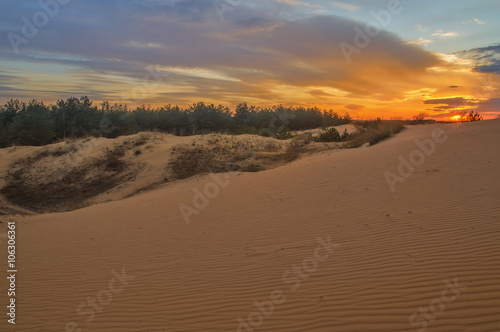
(81, 172)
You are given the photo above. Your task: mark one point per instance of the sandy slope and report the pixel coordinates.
(77, 173)
(396, 249)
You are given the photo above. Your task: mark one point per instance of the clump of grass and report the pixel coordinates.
(222, 155)
(292, 153)
(284, 134)
(373, 132)
(300, 143)
(64, 150)
(188, 162)
(67, 190)
(112, 159)
(332, 135)
(252, 168)
(143, 139)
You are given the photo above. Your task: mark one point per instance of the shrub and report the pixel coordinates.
(329, 135)
(373, 132)
(332, 135)
(284, 134)
(472, 116)
(420, 118)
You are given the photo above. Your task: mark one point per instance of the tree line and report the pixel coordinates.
(34, 123)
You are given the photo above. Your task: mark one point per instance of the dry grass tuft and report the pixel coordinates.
(62, 190)
(373, 132)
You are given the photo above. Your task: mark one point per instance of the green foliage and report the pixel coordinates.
(301, 118)
(329, 135)
(32, 125)
(211, 118)
(332, 135)
(37, 124)
(75, 117)
(245, 116)
(331, 118)
(284, 134)
(373, 132)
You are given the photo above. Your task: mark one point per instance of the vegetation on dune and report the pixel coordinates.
(64, 187)
(332, 135)
(471, 116)
(373, 132)
(35, 123)
(420, 117)
(226, 155)
(61, 178)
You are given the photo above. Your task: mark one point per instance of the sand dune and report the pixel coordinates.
(421, 257)
(76, 173)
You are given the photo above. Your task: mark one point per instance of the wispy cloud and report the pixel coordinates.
(441, 33)
(476, 20)
(346, 6)
(421, 41)
(299, 3)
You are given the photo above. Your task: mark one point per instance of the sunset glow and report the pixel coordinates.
(430, 57)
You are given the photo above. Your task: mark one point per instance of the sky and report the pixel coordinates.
(371, 58)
